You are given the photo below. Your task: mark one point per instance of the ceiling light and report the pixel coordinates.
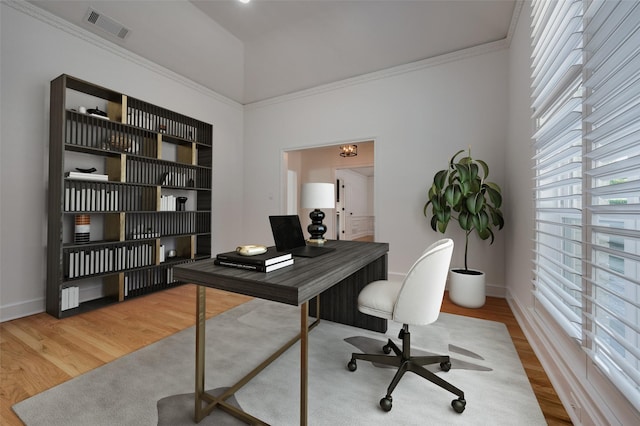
(244, 1)
(348, 150)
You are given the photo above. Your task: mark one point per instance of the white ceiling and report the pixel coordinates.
(251, 52)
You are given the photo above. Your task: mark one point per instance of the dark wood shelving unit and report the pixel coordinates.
(150, 156)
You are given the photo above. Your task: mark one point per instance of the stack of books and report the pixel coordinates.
(265, 262)
(86, 176)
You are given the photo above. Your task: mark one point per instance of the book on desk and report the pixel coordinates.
(269, 261)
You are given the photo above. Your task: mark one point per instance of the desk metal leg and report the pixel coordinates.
(201, 309)
(304, 352)
(219, 401)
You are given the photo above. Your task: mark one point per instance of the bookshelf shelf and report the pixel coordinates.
(150, 195)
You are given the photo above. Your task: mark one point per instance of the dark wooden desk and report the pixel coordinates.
(335, 279)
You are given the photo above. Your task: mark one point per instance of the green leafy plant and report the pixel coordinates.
(462, 193)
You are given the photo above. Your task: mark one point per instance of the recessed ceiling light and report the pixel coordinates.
(244, 1)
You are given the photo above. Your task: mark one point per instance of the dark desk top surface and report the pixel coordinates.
(294, 284)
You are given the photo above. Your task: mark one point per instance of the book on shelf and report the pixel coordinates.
(253, 267)
(168, 202)
(85, 176)
(70, 298)
(267, 258)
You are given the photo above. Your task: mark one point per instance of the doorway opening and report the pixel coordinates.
(353, 218)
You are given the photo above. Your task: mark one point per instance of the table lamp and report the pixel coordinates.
(317, 196)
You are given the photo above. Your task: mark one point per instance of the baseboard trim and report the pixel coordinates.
(493, 290)
(586, 403)
(37, 306)
(21, 309)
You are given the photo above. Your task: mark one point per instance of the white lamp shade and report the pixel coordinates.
(318, 196)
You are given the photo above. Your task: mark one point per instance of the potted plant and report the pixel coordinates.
(462, 193)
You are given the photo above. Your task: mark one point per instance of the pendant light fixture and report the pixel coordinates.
(348, 150)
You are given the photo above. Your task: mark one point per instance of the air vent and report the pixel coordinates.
(105, 23)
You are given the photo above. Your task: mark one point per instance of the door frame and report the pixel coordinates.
(334, 163)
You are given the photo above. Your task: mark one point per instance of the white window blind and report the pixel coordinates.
(587, 143)
(612, 159)
(557, 105)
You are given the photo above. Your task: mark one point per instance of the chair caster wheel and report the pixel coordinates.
(386, 403)
(386, 349)
(457, 404)
(445, 366)
(352, 366)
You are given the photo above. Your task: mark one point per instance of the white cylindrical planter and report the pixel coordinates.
(467, 289)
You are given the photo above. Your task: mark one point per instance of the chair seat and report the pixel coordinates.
(378, 298)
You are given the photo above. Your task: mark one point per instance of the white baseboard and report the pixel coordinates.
(37, 306)
(496, 291)
(586, 395)
(21, 309)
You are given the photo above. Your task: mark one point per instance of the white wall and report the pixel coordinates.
(519, 167)
(418, 119)
(34, 52)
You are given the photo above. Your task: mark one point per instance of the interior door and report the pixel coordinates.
(342, 209)
(355, 205)
(339, 224)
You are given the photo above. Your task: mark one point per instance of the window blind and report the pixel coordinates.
(586, 101)
(612, 199)
(557, 106)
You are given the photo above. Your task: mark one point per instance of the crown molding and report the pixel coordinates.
(386, 73)
(517, 10)
(87, 36)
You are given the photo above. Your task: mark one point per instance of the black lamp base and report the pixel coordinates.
(317, 229)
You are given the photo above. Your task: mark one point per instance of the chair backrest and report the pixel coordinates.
(420, 297)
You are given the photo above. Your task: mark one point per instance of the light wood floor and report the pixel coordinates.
(39, 351)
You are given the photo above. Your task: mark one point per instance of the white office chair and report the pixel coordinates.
(415, 301)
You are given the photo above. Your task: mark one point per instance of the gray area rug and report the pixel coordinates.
(154, 385)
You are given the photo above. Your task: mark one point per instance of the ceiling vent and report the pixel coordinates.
(97, 19)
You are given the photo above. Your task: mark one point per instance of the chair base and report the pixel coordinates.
(405, 362)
